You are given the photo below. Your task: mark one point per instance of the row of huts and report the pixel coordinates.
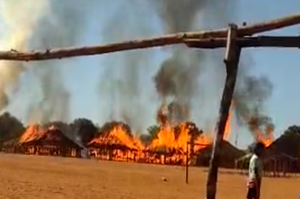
(282, 155)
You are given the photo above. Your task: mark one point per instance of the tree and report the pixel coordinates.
(293, 130)
(153, 131)
(10, 127)
(151, 135)
(83, 130)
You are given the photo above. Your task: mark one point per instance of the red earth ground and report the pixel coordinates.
(33, 177)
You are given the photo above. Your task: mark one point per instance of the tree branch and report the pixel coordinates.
(147, 43)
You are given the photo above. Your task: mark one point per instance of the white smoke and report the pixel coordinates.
(47, 24)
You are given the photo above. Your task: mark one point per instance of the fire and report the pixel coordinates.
(48, 141)
(267, 138)
(172, 143)
(32, 133)
(165, 137)
(228, 126)
(121, 134)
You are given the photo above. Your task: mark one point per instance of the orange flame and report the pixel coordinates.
(267, 139)
(119, 135)
(33, 132)
(228, 126)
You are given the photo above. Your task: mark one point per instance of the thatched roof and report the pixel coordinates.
(228, 155)
(50, 136)
(108, 141)
(281, 156)
(162, 149)
(32, 133)
(285, 144)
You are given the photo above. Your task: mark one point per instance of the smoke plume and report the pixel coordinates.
(177, 78)
(46, 25)
(62, 26)
(249, 99)
(123, 84)
(19, 19)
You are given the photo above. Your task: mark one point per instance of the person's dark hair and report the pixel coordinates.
(258, 148)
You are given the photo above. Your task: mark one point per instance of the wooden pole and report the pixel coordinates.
(231, 61)
(187, 164)
(246, 42)
(170, 39)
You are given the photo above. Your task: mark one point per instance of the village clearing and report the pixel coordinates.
(30, 177)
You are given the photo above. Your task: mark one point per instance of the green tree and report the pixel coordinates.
(83, 130)
(151, 135)
(10, 127)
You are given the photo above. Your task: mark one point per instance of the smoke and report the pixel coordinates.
(249, 99)
(19, 19)
(61, 26)
(45, 25)
(177, 78)
(123, 84)
(178, 75)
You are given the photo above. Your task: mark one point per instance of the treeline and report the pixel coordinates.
(81, 130)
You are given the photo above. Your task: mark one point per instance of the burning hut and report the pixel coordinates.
(50, 141)
(173, 143)
(116, 144)
(280, 165)
(228, 155)
(281, 157)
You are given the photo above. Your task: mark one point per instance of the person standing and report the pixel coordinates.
(255, 171)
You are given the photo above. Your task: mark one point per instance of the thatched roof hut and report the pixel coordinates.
(49, 137)
(108, 142)
(50, 141)
(281, 156)
(228, 155)
(281, 163)
(32, 133)
(285, 144)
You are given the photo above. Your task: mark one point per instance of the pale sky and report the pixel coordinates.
(279, 65)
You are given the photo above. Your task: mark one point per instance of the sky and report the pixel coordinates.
(82, 75)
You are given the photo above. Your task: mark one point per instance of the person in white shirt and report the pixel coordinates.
(255, 172)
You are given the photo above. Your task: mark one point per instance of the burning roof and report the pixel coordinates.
(51, 135)
(116, 138)
(285, 144)
(32, 133)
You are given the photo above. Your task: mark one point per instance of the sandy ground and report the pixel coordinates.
(30, 177)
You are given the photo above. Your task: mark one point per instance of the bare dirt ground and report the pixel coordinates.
(30, 177)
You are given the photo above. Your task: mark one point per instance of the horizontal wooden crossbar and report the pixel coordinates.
(200, 39)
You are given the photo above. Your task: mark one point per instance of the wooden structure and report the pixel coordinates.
(281, 165)
(228, 155)
(12, 146)
(277, 165)
(52, 142)
(233, 38)
(111, 148)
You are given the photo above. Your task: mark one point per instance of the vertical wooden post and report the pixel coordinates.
(231, 61)
(187, 163)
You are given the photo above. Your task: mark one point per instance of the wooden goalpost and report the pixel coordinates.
(232, 38)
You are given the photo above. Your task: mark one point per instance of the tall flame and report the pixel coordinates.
(33, 132)
(228, 126)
